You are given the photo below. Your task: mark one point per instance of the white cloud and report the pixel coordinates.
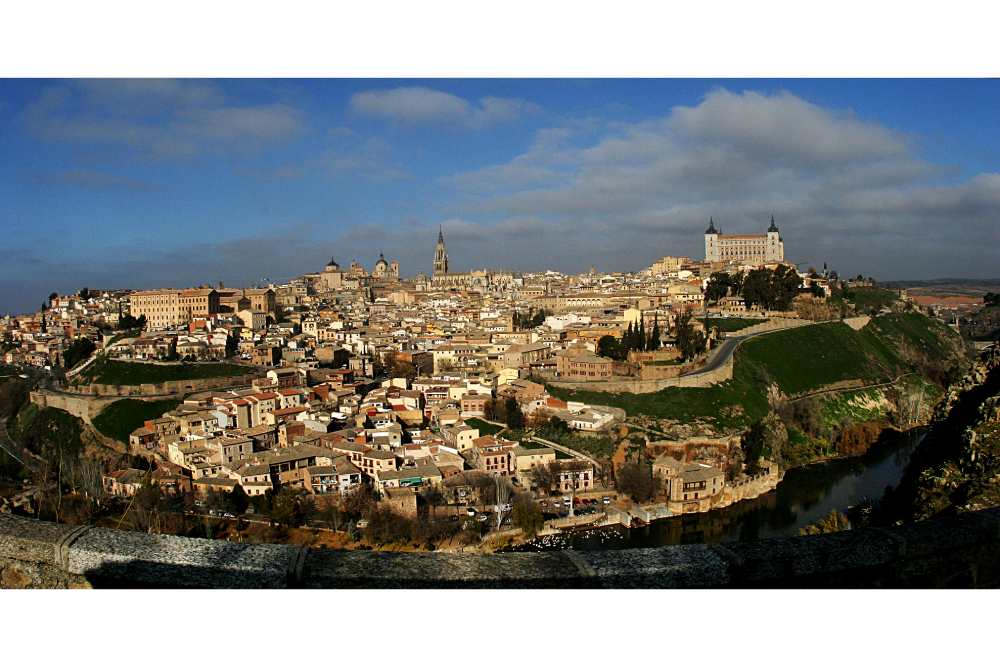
(786, 127)
(824, 173)
(159, 118)
(417, 105)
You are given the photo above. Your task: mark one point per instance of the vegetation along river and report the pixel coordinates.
(805, 496)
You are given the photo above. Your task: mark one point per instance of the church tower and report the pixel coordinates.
(440, 256)
(712, 252)
(775, 248)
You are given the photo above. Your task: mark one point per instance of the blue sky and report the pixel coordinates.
(159, 182)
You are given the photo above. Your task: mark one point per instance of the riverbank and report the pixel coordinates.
(804, 496)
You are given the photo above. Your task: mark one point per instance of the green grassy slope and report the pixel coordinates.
(800, 360)
(111, 371)
(808, 358)
(122, 417)
(729, 324)
(484, 427)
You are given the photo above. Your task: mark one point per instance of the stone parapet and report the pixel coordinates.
(960, 551)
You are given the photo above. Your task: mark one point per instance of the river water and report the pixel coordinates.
(805, 496)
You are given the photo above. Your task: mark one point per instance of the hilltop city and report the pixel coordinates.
(459, 409)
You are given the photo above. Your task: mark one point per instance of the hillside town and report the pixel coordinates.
(440, 385)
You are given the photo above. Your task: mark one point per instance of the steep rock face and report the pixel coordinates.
(957, 467)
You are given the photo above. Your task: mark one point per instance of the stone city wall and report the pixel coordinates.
(772, 325)
(755, 486)
(651, 372)
(170, 387)
(638, 386)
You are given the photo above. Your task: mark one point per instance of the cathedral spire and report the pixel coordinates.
(440, 235)
(773, 227)
(711, 226)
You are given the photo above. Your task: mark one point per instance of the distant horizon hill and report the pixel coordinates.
(948, 287)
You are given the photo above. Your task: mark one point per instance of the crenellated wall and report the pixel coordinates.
(957, 552)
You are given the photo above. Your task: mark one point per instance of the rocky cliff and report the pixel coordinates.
(956, 468)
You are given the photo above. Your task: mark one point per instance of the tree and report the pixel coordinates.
(654, 336)
(636, 480)
(608, 346)
(495, 409)
(546, 475)
(285, 507)
(404, 369)
(528, 517)
(79, 349)
(690, 342)
(753, 443)
(359, 501)
(85, 294)
(434, 497)
(328, 511)
(718, 286)
(501, 496)
(835, 523)
(515, 417)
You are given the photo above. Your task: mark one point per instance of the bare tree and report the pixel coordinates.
(434, 497)
(637, 481)
(502, 495)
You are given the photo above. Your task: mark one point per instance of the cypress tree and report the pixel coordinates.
(654, 338)
(642, 334)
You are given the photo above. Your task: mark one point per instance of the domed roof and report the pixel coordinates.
(333, 264)
(381, 261)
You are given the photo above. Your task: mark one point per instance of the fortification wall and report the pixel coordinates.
(167, 388)
(648, 372)
(639, 386)
(750, 488)
(772, 325)
(83, 406)
(665, 354)
(961, 551)
(857, 323)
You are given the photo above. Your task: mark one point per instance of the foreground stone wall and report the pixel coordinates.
(961, 551)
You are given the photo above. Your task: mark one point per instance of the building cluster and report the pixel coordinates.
(371, 377)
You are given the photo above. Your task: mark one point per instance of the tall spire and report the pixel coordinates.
(440, 235)
(773, 227)
(711, 226)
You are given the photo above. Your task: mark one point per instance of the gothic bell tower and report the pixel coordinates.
(440, 256)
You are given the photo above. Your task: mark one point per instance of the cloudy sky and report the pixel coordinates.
(158, 182)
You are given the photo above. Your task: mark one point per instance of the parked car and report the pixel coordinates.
(607, 501)
(555, 503)
(470, 511)
(544, 504)
(454, 518)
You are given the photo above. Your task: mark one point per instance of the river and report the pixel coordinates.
(805, 496)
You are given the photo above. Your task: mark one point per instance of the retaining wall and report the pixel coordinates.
(637, 386)
(957, 552)
(167, 388)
